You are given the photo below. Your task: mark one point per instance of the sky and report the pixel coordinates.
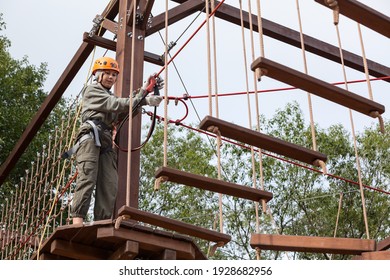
(51, 31)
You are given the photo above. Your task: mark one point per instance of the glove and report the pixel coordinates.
(151, 82)
(153, 100)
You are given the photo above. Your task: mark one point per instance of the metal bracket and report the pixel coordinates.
(97, 22)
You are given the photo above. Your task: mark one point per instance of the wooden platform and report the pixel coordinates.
(263, 141)
(211, 184)
(174, 225)
(317, 87)
(101, 241)
(349, 246)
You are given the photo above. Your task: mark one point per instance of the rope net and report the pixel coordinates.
(41, 201)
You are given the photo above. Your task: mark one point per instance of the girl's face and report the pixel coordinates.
(109, 78)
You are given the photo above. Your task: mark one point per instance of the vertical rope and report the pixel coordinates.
(130, 128)
(218, 134)
(354, 138)
(166, 87)
(365, 62)
(208, 47)
(366, 72)
(257, 128)
(215, 61)
(313, 133)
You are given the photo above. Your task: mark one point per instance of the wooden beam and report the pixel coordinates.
(127, 251)
(110, 25)
(147, 241)
(111, 45)
(50, 101)
(44, 111)
(350, 246)
(363, 14)
(384, 244)
(211, 184)
(292, 37)
(263, 141)
(174, 15)
(317, 87)
(175, 225)
(168, 255)
(128, 55)
(378, 255)
(77, 251)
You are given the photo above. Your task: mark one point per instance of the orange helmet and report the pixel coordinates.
(105, 63)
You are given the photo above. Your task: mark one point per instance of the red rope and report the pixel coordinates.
(191, 37)
(276, 89)
(45, 214)
(282, 159)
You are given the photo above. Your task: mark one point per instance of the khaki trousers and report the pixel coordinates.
(97, 170)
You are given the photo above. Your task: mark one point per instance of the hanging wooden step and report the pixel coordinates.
(263, 141)
(211, 184)
(363, 14)
(350, 246)
(175, 225)
(378, 255)
(384, 244)
(317, 87)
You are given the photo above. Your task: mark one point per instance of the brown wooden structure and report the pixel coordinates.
(174, 225)
(211, 184)
(101, 241)
(127, 239)
(318, 87)
(263, 141)
(312, 244)
(364, 15)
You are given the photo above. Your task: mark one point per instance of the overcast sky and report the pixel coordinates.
(51, 31)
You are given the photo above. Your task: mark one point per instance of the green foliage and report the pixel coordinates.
(305, 202)
(21, 95)
(188, 152)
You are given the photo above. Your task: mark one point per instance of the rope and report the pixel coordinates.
(217, 132)
(313, 133)
(165, 145)
(277, 89)
(189, 39)
(282, 159)
(335, 7)
(209, 86)
(338, 214)
(354, 140)
(130, 124)
(374, 114)
(258, 251)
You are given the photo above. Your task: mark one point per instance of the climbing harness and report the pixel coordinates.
(94, 134)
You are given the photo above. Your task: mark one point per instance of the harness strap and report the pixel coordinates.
(72, 150)
(95, 133)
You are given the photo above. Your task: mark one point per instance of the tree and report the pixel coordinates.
(187, 151)
(306, 202)
(21, 95)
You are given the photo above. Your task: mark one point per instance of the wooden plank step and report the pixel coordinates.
(211, 184)
(175, 225)
(317, 87)
(350, 246)
(378, 255)
(263, 141)
(384, 244)
(363, 14)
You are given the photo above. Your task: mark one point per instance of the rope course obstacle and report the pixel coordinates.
(35, 221)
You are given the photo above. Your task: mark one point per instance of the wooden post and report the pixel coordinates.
(124, 57)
